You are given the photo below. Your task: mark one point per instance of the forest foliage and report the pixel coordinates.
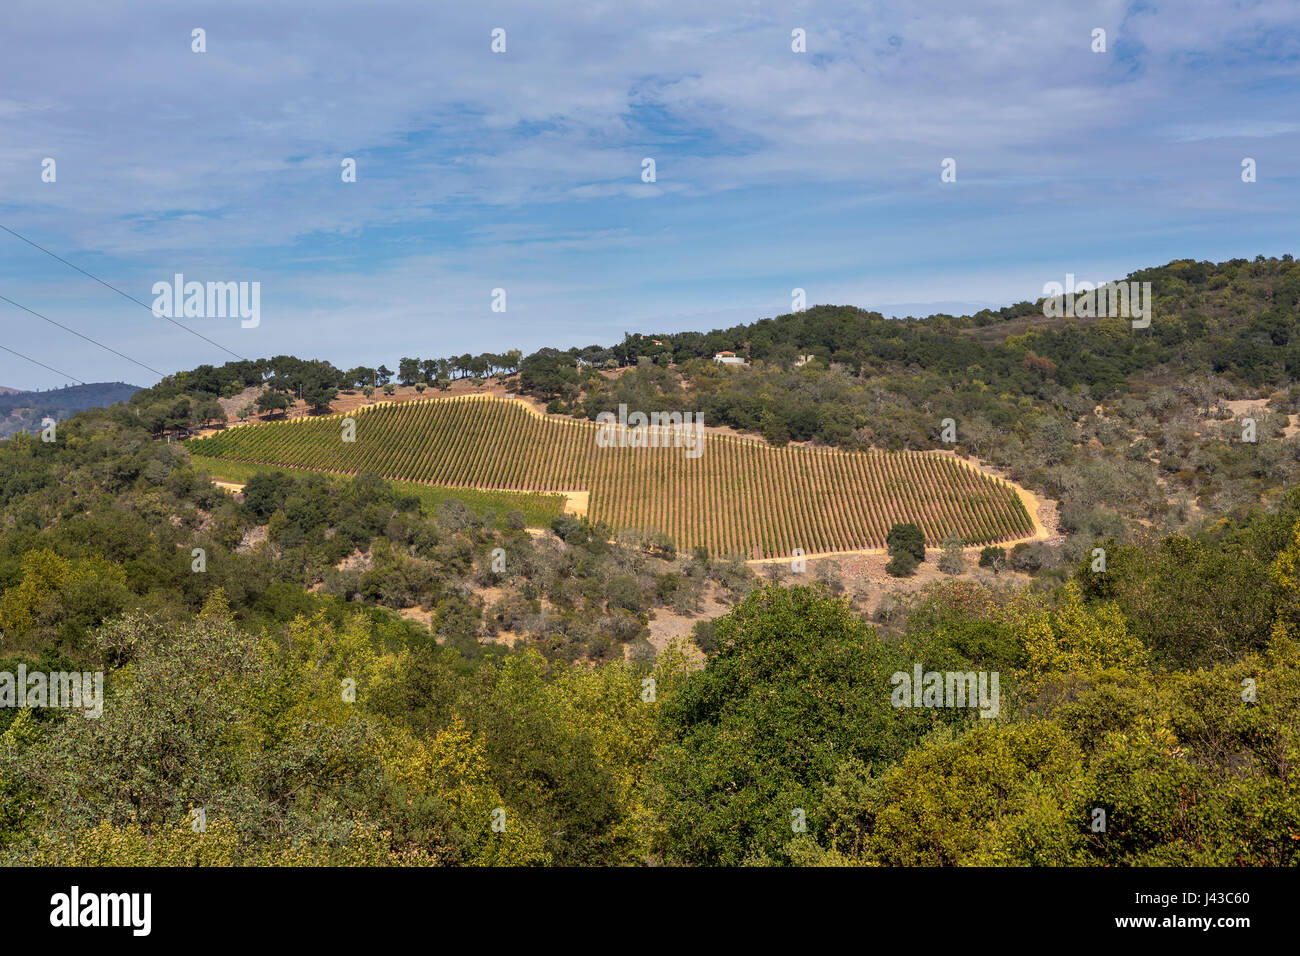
(353, 679)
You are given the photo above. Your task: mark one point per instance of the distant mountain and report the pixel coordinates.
(22, 411)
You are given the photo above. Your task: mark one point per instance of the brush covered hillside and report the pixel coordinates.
(24, 411)
(1128, 429)
(627, 700)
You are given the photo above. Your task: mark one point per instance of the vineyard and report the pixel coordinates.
(740, 496)
(538, 508)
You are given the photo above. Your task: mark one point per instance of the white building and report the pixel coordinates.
(728, 358)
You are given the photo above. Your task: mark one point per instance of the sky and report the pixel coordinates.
(523, 170)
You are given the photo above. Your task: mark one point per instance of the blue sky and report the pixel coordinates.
(522, 170)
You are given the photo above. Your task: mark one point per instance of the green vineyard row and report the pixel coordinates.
(740, 496)
(539, 508)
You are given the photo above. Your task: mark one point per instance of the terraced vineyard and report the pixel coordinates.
(740, 496)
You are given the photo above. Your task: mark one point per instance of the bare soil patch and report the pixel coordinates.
(667, 626)
(865, 579)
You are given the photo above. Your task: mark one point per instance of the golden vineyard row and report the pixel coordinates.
(741, 496)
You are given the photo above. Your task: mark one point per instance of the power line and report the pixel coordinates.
(42, 364)
(79, 335)
(120, 292)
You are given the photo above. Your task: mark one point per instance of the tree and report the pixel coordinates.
(1075, 639)
(212, 411)
(794, 689)
(547, 372)
(1191, 601)
(319, 397)
(952, 560)
(254, 732)
(906, 537)
(993, 557)
(1285, 574)
(408, 370)
(1027, 556)
(830, 576)
(545, 758)
(58, 600)
(903, 564)
(272, 401)
(453, 767)
(356, 377)
(948, 801)
(264, 491)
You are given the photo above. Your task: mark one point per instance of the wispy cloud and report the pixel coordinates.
(523, 169)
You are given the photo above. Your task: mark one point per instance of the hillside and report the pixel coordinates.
(23, 411)
(489, 633)
(1128, 429)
